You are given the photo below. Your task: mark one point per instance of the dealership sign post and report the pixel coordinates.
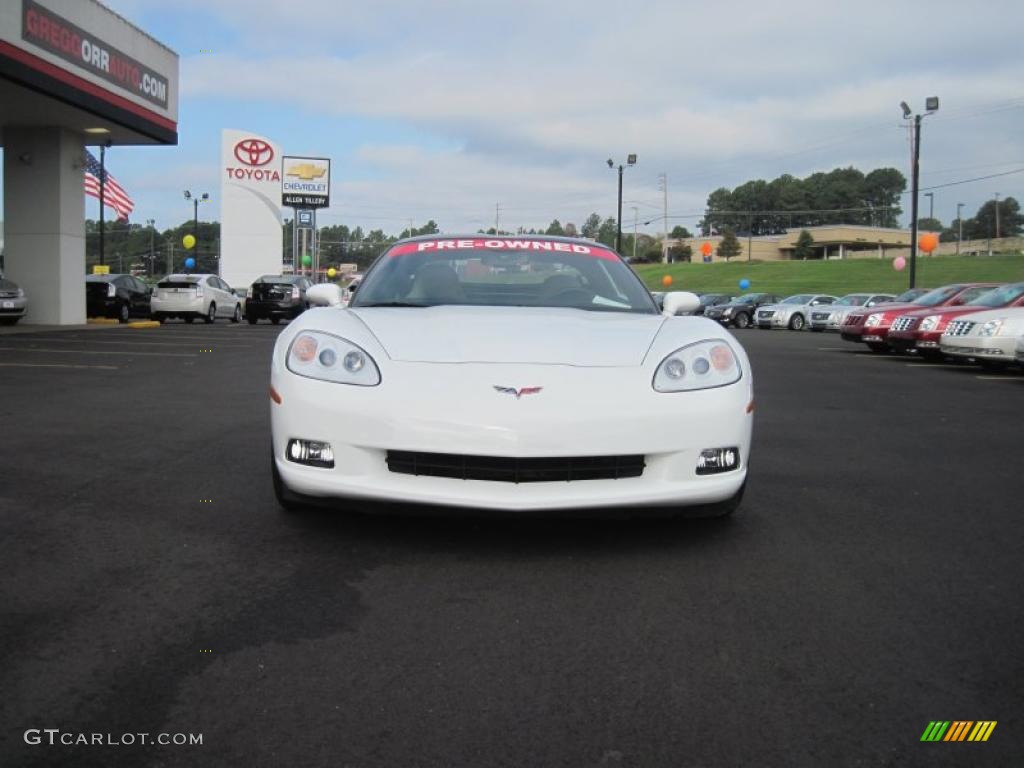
(305, 186)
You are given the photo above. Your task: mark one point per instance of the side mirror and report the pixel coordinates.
(679, 302)
(324, 295)
(352, 289)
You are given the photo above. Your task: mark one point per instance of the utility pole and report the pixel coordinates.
(497, 216)
(663, 180)
(635, 210)
(931, 204)
(997, 215)
(960, 227)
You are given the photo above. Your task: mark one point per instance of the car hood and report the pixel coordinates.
(542, 335)
(901, 308)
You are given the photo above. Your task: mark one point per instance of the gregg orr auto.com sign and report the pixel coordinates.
(45, 29)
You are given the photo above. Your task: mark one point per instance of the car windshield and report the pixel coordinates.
(802, 298)
(938, 296)
(749, 298)
(999, 297)
(711, 298)
(503, 272)
(909, 296)
(852, 300)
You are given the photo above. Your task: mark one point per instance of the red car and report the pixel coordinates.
(871, 326)
(922, 328)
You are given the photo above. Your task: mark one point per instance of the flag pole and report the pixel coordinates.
(103, 152)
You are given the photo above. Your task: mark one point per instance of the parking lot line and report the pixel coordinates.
(935, 365)
(97, 352)
(227, 345)
(1000, 378)
(60, 365)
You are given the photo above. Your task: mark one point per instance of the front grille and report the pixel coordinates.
(764, 314)
(854, 320)
(904, 323)
(959, 328)
(819, 316)
(515, 470)
(8, 294)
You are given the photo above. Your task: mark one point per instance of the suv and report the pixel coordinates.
(275, 297)
(740, 311)
(192, 296)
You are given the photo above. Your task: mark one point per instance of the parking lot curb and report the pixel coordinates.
(102, 321)
(144, 324)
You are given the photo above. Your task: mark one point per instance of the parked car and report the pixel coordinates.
(922, 329)
(192, 296)
(119, 296)
(659, 297)
(990, 337)
(1019, 352)
(277, 298)
(740, 311)
(13, 302)
(872, 326)
(831, 317)
(791, 312)
(350, 290)
(442, 385)
(711, 300)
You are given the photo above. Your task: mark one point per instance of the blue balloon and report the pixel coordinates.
(744, 284)
(190, 263)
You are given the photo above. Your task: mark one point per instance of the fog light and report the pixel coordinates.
(311, 453)
(714, 460)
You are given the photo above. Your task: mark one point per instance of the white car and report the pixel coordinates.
(1019, 353)
(512, 375)
(792, 312)
(192, 296)
(990, 337)
(829, 318)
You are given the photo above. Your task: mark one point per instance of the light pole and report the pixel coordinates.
(635, 213)
(195, 213)
(997, 215)
(960, 227)
(630, 162)
(931, 105)
(931, 204)
(150, 223)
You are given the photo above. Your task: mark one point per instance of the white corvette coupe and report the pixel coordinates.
(514, 375)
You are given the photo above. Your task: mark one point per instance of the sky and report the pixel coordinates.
(458, 110)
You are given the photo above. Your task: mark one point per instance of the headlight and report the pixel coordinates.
(248, 292)
(874, 319)
(319, 355)
(21, 293)
(930, 322)
(727, 311)
(111, 291)
(991, 328)
(701, 365)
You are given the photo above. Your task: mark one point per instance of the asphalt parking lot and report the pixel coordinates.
(871, 582)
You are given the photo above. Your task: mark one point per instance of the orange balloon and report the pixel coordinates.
(666, 280)
(706, 249)
(928, 242)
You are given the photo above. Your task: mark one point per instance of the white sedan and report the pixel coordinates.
(990, 337)
(510, 375)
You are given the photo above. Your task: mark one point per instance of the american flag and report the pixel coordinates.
(113, 194)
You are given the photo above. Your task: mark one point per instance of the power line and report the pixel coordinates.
(978, 178)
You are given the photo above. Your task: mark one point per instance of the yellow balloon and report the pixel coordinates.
(189, 241)
(332, 273)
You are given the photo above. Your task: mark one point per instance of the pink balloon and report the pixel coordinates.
(899, 263)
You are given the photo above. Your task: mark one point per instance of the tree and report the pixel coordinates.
(607, 231)
(679, 232)
(683, 252)
(591, 226)
(730, 246)
(984, 221)
(804, 246)
(554, 228)
(570, 229)
(929, 225)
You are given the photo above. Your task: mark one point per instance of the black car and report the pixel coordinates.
(740, 311)
(711, 300)
(120, 296)
(275, 297)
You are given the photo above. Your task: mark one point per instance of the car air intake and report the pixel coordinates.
(515, 470)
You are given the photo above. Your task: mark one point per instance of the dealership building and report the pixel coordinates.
(831, 241)
(72, 74)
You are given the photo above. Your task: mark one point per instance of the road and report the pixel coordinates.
(871, 582)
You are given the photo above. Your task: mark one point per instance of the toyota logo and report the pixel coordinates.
(253, 152)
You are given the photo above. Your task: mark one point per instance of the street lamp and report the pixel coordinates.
(931, 105)
(195, 212)
(630, 162)
(151, 223)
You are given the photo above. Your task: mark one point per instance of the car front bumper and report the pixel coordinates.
(573, 416)
(1001, 348)
(13, 307)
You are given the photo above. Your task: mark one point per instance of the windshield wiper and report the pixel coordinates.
(390, 304)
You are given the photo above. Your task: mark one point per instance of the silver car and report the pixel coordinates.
(792, 312)
(831, 317)
(192, 296)
(12, 302)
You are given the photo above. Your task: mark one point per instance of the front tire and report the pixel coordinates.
(878, 348)
(796, 323)
(742, 320)
(124, 314)
(276, 319)
(237, 317)
(287, 500)
(251, 319)
(718, 509)
(211, 314)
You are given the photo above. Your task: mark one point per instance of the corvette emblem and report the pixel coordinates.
(518, 392)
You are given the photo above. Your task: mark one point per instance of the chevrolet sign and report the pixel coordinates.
(306, 182)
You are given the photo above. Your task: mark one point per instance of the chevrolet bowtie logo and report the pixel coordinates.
(306, 171)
